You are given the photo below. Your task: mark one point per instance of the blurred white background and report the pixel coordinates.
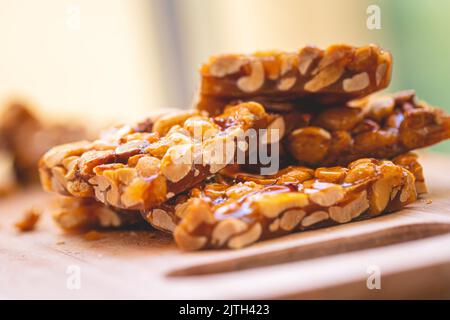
(121, 59)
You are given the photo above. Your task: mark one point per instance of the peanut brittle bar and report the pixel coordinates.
(136, 168)
(237, 209)
(378, 127)
(336, 74)
(77, 214)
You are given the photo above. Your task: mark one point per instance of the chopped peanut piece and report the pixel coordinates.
(93, 235)
(28, 221)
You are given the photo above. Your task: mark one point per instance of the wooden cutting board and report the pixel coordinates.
(410, 249)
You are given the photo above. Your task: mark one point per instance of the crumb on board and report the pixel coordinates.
(93, 235)
(427, 201)
(28, 221)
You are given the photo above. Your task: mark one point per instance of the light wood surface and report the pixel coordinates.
(411, 248)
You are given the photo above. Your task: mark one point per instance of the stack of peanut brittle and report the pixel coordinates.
(277, 142)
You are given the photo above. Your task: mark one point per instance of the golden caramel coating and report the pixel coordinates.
(334, 75)
(238, 209)
(137, 168)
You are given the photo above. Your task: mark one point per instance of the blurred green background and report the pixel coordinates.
(418, 34)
